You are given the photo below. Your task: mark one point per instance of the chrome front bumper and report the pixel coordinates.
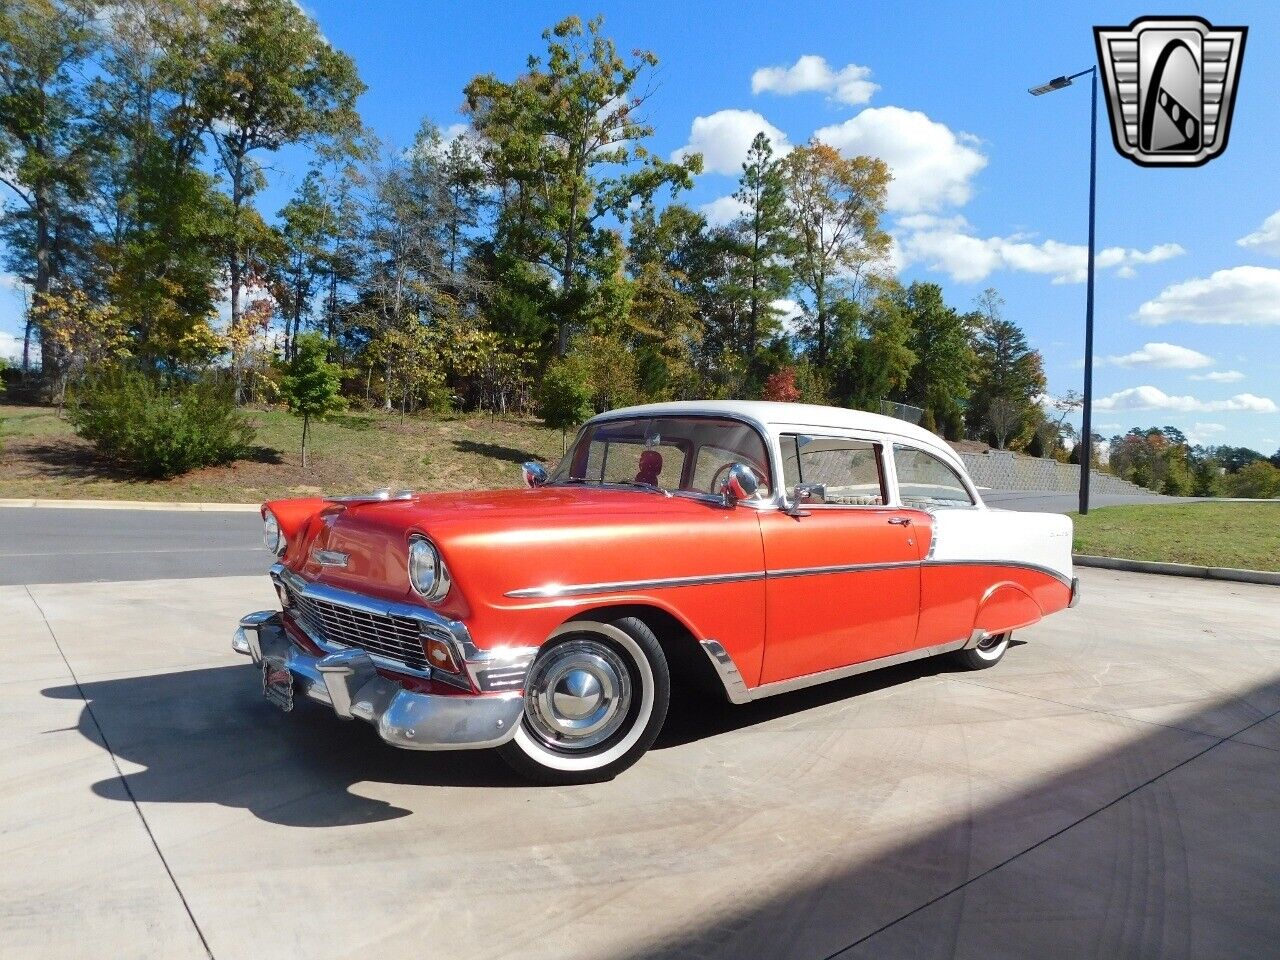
(348, 682)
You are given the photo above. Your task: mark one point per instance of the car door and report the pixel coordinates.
(843, 570)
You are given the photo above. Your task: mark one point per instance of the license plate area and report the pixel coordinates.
(277, 683)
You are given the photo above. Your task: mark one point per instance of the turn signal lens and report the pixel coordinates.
(440, 655)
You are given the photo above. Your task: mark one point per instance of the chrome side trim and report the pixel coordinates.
(839, 568)
(738, 692)
(735, 687)
(329, 558)
(622, 586)
(1022, 564)
(975, 638)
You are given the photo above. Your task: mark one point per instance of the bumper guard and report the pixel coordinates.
(349, 683)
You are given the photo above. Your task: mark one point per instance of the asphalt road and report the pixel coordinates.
(1108, 790)
(64, 545)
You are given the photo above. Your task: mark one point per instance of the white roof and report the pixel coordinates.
(781, 417)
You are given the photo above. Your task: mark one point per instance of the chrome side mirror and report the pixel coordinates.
(740, 483)
(535, 474)
(809, 493)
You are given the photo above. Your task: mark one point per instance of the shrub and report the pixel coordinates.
(158, 429)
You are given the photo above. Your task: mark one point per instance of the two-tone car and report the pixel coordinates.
(754, 547)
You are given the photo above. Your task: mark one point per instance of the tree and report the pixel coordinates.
(1008, 368)
(836, 204)
(307, 224)
(566, 152)
(871, 357)
(45, 141)
(781, 386)
(310, 384)
(942, 378)
(269, 79)
(1004, 417)
(564, 398)
(765, 237)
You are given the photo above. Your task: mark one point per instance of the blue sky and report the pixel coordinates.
(991, 184)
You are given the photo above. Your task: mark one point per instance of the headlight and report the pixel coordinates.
(271, 535)
(427, 572)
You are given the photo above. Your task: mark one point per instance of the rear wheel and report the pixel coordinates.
(595, 699)
(987, 653)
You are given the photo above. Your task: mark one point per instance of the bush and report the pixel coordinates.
(161, 430)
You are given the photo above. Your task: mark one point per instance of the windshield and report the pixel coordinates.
(676, 454)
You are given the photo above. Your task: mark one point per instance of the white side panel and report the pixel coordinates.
(1039, 539)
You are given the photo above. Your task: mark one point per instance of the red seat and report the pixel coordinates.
(650, 467)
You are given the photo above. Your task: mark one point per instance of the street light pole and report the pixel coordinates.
(1086, 425)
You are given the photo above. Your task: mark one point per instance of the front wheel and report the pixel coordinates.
(595, 699)
(987, 653)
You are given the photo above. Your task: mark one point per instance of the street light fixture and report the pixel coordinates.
(1086, 425)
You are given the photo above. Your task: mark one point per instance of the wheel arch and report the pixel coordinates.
(1004, 607)
(687, 663)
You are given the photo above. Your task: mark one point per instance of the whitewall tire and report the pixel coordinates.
(986, 653)
(595, 699)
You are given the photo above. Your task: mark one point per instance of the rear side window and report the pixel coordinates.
(925, 481)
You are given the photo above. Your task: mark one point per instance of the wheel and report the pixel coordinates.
(987, 653)
(595, 699)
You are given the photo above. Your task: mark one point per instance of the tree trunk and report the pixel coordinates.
(306, 424)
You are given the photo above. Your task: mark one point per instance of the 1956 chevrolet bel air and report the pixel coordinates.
(758, 547)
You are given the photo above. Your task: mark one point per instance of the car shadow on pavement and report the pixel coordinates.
(208, 736)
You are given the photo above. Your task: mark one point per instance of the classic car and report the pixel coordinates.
(753, 547)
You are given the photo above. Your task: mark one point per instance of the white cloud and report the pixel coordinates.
(1239, 295)
(931, 165)
(724, 137)
(11, 346)
(722, 210)
(1219, 376)
(850, 84)
(1151, 398)
(1165, 356)
(789, 312)
(1201, 433)
(1266, 238)
(945, 244)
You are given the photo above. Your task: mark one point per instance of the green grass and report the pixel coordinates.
(1211, 534)
(40, 456)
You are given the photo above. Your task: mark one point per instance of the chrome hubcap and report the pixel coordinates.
(578, 695)
(988, 643)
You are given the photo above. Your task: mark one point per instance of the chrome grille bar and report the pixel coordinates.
(390, 636)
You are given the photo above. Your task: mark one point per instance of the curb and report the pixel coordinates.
(1179, 569)
(134, 505)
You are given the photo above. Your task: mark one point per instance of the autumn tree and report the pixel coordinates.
(564, 146)
(835, 204)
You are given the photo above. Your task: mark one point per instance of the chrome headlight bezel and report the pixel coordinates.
(428, 575)
(272, 536)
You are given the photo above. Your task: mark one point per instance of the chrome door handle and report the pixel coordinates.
(900, 521)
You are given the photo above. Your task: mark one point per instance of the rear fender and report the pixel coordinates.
(1006, 606)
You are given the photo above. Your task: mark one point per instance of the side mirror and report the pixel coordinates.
(740, 483)
(535, 474)
(809, 493)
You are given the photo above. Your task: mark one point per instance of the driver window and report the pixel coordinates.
(850, 470)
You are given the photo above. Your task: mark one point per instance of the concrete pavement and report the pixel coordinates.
(1108, 790)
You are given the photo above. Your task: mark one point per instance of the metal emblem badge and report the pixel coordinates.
(1171, 87)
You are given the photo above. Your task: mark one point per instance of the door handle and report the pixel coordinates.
(900, 521)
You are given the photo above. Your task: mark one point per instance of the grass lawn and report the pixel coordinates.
(40, 456)
(1243, 535)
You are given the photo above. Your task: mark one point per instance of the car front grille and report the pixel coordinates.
(396, 638)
